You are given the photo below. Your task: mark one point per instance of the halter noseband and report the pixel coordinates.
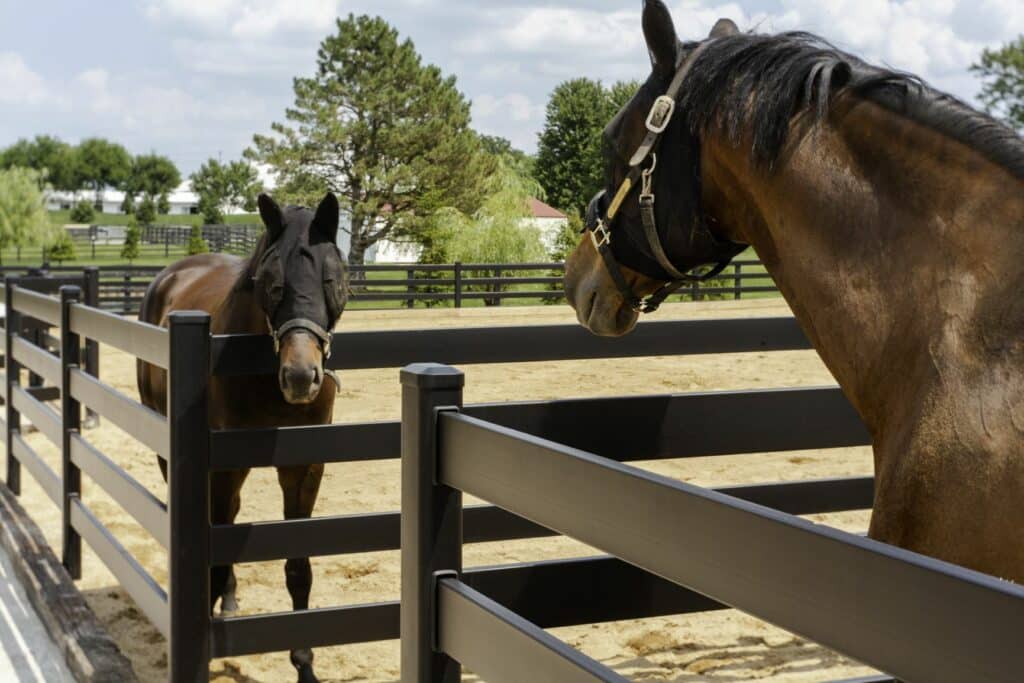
(599, 222)
(322, 336)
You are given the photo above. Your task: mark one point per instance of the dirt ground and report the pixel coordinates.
(722, 646)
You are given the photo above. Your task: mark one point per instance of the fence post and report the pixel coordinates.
(91, 297)
(71, 418)
(188, 497)
(11, 379)
(458, 284)
(127, 291)
(431, 520)
(497, 287)
(737, 281)
(410, 288)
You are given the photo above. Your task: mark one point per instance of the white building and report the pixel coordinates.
(547, 219)
(183, 201)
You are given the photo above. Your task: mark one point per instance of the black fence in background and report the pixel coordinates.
(99, 243)
(457, 285)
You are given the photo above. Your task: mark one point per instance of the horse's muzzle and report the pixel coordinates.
(300, 383)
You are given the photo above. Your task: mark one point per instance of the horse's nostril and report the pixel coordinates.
(300, 380)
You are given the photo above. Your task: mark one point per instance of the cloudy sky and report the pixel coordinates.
(196, 78)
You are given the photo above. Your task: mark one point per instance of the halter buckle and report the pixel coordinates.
(600, 235)
(661, 114)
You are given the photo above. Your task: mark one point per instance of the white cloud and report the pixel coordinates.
(21, 85)
(249, 19)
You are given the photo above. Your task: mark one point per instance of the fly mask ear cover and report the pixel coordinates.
(335, 288)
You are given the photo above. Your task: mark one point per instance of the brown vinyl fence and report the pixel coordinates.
(957, 610)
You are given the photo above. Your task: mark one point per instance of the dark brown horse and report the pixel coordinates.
(892, 218)
(294, 288)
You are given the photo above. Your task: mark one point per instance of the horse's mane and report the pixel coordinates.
(757, 84)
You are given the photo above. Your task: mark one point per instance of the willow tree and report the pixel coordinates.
(24, 220)
(388, 134)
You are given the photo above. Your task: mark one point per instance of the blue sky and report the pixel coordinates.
(195, 79)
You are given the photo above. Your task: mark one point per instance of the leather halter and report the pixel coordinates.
(322, 336)
(599, 222)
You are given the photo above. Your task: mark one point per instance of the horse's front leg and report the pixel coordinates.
(225, 501)
(300, 486)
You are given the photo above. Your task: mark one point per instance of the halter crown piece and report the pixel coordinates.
(599, 223)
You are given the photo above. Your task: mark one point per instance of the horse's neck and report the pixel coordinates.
(899, 250)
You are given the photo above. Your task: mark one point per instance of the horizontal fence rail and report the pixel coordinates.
(782, 569)
(254, 354)
(142, 340)
(662, 427)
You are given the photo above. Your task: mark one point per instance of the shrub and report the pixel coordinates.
(62, 249)
(83, 212)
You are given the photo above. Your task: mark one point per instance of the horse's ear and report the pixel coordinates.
(660, 33)
(325, 222)
(270, 212)
(723, 28)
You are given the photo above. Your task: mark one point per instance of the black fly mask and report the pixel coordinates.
(300, 279)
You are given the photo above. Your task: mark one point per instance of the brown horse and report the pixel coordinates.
(892, 218)
(294, 288)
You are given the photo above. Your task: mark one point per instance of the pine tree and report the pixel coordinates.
(570, 160)
(386, 133)
(130, 250)
(196, 243)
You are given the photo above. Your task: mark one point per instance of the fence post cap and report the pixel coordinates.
(70, 291)
(432, 376)
(189, 318)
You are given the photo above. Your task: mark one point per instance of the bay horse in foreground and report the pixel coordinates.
(890, 215)
(294, 288)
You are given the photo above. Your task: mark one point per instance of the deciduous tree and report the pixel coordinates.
(153, 177)
(103, 164)
(58, 160)
(1002, 74)
(222, 185)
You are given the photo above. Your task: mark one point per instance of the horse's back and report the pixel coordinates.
(195, 283)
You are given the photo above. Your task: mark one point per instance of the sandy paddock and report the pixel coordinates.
(723, 646)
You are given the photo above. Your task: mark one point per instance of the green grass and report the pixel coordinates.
(64, 217)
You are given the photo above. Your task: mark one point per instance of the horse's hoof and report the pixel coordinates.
(302, 660)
